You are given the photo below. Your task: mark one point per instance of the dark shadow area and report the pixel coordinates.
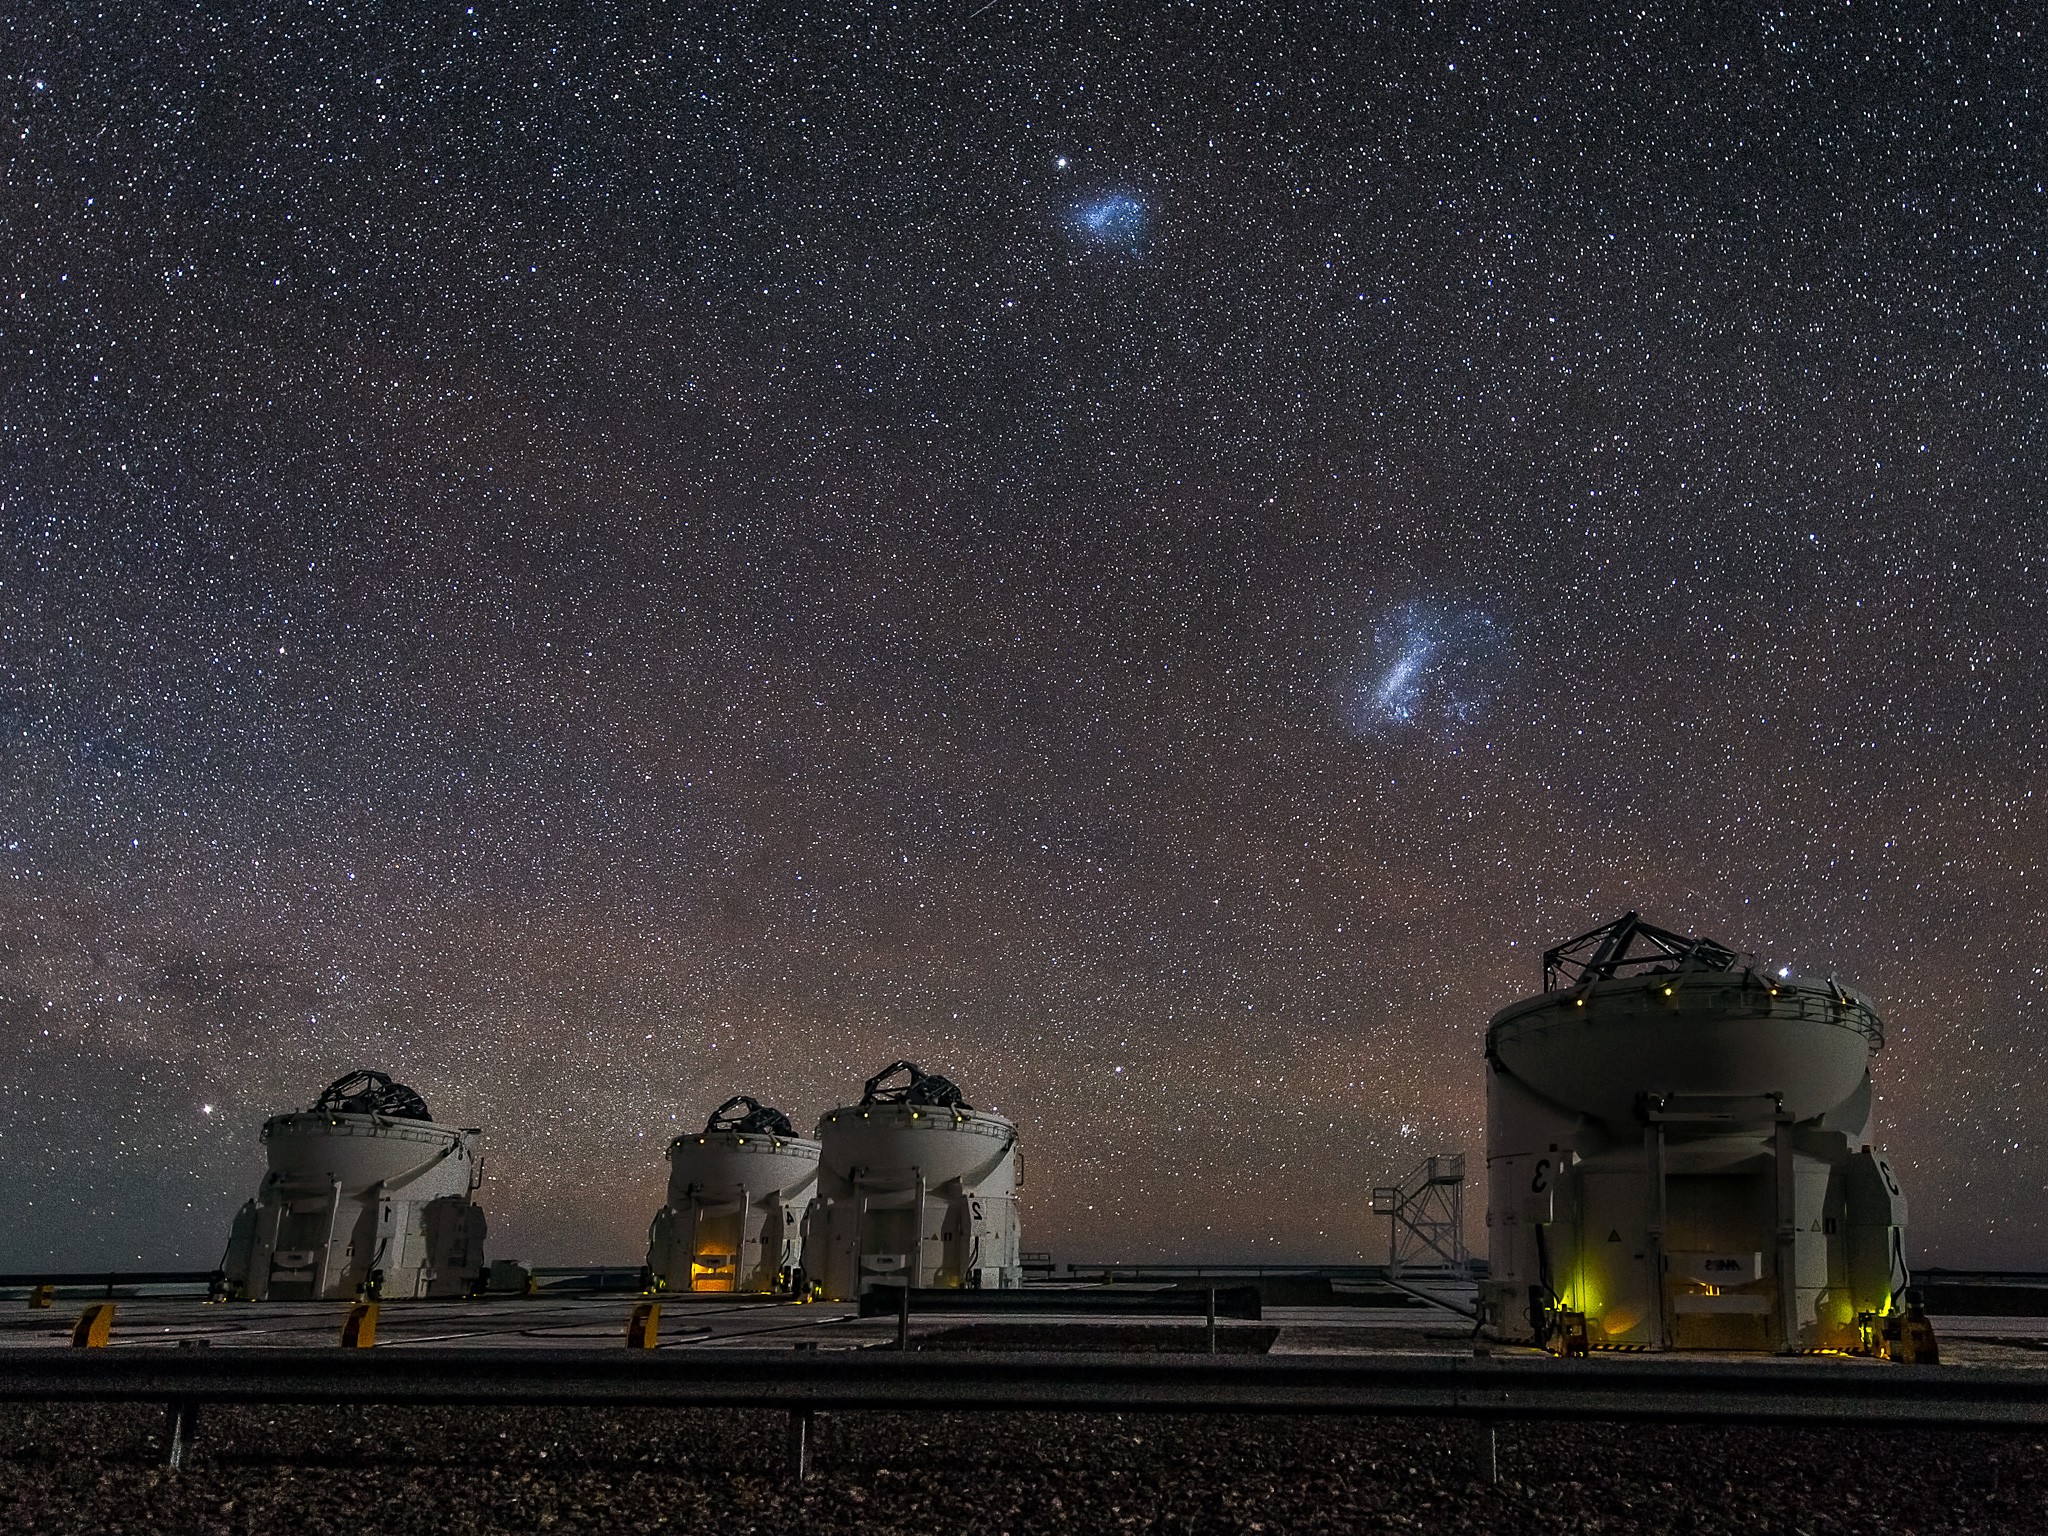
(1101, 1338)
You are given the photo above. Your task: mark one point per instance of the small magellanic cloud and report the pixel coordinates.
(1115, 218)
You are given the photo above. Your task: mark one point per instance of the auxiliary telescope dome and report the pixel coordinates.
(916, 1187)
(1679, 1149)
(365, 1194)
(738, 1194)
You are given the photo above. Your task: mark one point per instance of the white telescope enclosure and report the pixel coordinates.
(365, 1196)
(1679, 1148)
(738, 1193)
(916, 1187)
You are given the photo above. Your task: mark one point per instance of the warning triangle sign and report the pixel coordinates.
(1614, 1236)
(1816, 1225)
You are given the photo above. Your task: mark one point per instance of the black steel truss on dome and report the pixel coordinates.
(919, 1087)
(1628, 946)
(743, 1112)
(371, 1093)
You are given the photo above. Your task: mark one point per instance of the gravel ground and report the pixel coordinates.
(449, 1472)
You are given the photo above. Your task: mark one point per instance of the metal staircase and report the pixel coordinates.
(1426, 1218)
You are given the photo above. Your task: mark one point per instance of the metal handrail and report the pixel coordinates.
(1785, 1002)
(1806, 1391)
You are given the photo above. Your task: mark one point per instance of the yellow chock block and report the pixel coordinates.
(1918, 1338)
(1569, 1341)
(359, 1328)
(1915, 1338)
(94, 1324)
(643, 1328)
(41, 1297)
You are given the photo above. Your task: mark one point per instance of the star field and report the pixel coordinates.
(596, 561)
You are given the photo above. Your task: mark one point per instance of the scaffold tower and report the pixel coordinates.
(1426, 1217)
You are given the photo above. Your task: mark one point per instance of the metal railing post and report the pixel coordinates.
(181, 1418)
(1485, 1431)
(799, 1444)
(1485, 1451)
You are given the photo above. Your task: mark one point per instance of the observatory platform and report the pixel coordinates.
(1037, 1318)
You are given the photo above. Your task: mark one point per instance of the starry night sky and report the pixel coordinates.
(596, 559)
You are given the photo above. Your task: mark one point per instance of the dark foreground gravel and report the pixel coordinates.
(449, 1472)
